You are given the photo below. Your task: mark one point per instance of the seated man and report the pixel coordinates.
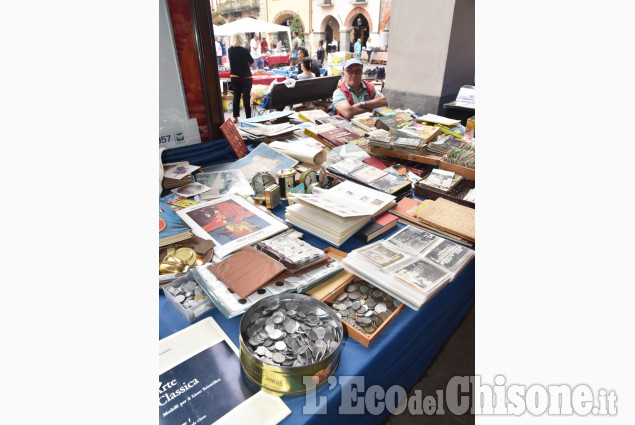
(315, 67)
(353, 95)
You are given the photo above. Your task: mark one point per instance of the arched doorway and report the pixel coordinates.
(360, 29)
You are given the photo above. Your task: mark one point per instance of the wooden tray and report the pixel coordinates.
(331, 288)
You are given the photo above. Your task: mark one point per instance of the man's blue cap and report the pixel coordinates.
(352, 61)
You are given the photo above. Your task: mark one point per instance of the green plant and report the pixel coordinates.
(217, 18)
(296, 25)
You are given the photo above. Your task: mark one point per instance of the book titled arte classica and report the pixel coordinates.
(200, 381)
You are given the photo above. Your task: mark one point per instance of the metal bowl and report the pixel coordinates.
(290, 343)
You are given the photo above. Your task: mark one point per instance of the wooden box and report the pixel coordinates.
(331, 288)
(468, 173)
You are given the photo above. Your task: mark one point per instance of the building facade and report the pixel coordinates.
(342, 20)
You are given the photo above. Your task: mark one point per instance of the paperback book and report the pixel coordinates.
(200, 381)
(223, 183)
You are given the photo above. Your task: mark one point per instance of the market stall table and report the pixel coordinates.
(399, 356)
(270, 61)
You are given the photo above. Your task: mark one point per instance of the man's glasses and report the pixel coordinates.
(357, 71)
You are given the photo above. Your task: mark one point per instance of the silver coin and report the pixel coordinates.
(278, 357)
(354, 295)
(290, 325)
(377, 293)
(356, 305)
(380, 308)
(280, 346)
(341, 297)
(179, 298)
(320, 332)
(352, 288)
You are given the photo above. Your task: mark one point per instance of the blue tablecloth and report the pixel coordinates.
(399, 356)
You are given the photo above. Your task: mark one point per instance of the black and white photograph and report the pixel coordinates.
(449, 255)
(382, 255)
(191, 189)
(422, 274)
(413, 238)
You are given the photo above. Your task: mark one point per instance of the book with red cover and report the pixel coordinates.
(380, 225)
(338, 137)
(234, 138)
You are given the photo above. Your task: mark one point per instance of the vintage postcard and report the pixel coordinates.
(413, 238)
(191, 189)
(382, 254)
(422, 274)
(180, 171)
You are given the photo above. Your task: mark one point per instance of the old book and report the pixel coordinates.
(335, 120)
(338, 136)
(450, 217)
(314, 130)
(171, 227)
(383, 111)
(377, 227)
(366, 124)
(200, 381)
(386, 122)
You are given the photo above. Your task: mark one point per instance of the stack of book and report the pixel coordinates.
(383, 111)
(444, 145)
(171, 227)
(413, 265)
(427, 133)
(340, 136)
(268, 130)
(314, 130)
(380, 138)
(408, 145)
(334, 215)
(335, 120)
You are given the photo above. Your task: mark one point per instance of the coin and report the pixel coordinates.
(280, 346)
(380, 308)
(354, 295)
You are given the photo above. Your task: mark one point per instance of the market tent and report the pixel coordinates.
(250, 25)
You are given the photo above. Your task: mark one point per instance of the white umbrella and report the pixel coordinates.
(250, 25)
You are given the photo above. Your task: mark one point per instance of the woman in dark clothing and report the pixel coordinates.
(240, 61)
(320, 53)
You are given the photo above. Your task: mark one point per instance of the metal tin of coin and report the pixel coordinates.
(281, 372)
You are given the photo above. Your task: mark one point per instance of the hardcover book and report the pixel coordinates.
(383, 111)
(377, 227)
(171, 227)
(366, 124)
(233, 137)
(231, 222)
(200, 381)
(314, 130)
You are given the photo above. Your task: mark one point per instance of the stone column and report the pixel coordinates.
(345, 40)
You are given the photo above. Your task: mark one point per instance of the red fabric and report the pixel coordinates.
(275, 60)
(370, 88)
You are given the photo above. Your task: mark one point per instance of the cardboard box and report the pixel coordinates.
(331, 288)
(338, 58)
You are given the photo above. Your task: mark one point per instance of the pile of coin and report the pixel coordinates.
(188, 294)
(363, 306)
(178, 260)
(291, 333)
